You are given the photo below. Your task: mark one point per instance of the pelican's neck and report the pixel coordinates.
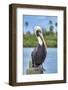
(40, 41)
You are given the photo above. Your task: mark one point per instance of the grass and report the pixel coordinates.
(30, 40)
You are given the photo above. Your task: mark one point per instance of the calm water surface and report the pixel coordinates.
(50, 63)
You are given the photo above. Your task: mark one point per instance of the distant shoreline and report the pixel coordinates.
(30, 40)
(34, 47)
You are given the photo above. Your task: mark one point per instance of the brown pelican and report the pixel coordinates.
(39, 53)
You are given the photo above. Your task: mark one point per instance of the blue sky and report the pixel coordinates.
(42, 21)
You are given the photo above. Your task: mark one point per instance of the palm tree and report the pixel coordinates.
(26, 24)
(50, 22)
(51, 26)
(28, 33)
(56, 26)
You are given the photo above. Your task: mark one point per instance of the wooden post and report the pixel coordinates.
(34, 70)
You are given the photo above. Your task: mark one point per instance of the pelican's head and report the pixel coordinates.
(38, 32)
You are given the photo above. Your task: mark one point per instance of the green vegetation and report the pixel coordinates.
(30, 40)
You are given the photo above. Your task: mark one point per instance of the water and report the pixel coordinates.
(50, 63)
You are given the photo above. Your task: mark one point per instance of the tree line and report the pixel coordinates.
(51, 27)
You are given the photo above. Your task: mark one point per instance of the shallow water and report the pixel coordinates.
(50, 63)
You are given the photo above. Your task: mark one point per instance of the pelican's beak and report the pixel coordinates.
(42, 38)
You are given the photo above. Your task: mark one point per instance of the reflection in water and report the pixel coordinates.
(50, 63)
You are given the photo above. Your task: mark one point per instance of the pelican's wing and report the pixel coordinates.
(34, 55)
(34, 52)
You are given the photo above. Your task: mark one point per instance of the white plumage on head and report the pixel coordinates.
(37, 28)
